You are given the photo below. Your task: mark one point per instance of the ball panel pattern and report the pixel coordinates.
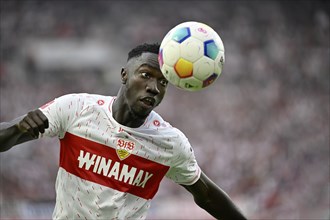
(192, 49)
(168, 74)
(183, 68)
(203, 68)
(210, 80)
(181, 34)
(211, 49)
(171, 53)
(191, 84)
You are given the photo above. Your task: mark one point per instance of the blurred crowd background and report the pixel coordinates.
(261, 132)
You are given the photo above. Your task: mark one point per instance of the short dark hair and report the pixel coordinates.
(142, 48)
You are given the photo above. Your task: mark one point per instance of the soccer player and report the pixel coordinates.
(114, 151)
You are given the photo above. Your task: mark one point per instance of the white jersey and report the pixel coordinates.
(107, 170)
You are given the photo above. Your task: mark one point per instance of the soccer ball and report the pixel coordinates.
(191, 56)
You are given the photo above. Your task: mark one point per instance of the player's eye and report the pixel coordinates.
(145, 75)
(163, 82)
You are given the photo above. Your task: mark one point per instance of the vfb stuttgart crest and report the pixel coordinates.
(124, 148)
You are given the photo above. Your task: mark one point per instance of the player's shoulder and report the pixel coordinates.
(156, 123)
(85, 98)
(174, 136)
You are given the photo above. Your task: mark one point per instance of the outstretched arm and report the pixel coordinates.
(213, 199)
(22, 129)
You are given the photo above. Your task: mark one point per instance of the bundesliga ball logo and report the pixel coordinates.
(191, 56)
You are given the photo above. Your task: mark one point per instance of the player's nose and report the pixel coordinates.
(152, 87)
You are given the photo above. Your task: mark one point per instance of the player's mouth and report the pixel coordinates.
(148, 102)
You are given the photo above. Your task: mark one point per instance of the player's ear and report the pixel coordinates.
(124, 75)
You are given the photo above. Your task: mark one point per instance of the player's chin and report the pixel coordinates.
(142, 111)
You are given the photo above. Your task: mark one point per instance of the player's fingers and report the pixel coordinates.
(33, 128)
(24, 126)
(43, 118)
(35, 118)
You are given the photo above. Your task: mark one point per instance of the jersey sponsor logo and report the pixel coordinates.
(108, 168)
(100, 164)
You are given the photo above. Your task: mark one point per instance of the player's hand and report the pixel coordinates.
(33, 123)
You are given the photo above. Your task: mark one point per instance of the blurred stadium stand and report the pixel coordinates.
(261, 131)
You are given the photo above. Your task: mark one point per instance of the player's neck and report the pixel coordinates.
(123, 115)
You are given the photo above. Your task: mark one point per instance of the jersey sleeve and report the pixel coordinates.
(184, 169)
(60, 113)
